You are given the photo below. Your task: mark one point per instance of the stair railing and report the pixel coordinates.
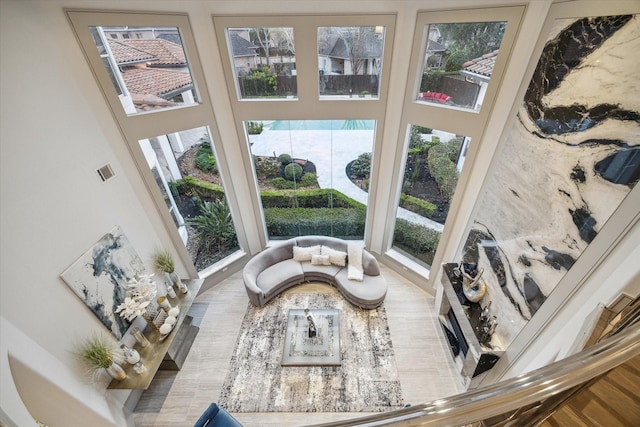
(520, 401)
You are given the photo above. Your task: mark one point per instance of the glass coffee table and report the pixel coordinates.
(303, 349)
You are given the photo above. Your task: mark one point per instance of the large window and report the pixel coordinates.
(312, 150)
(313, 175)
(148, 70)
(458, 58)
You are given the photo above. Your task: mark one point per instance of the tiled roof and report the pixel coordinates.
(482, 65)
(165, 52)
(154, 81)
(126, 54)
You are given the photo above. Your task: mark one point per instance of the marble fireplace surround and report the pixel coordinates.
(570, 159)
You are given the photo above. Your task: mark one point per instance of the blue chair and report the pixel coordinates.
(216, 416)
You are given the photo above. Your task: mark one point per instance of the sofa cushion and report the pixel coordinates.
(280, 275)
(302, 254)
(320, 260)
(338, 258)
(354, 268)
(320, 272)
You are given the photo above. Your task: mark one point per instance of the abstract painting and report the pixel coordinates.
(100, 275)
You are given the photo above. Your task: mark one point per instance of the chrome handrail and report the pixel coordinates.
(515, 393)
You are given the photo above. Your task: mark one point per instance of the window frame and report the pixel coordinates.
(308, 100)
(141, 126)
(461, 121)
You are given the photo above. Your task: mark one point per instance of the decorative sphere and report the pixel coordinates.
(173, 312)
(165, 329)
(170, 320)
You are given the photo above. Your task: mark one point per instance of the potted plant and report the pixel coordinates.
(163, 262)
(98, 354)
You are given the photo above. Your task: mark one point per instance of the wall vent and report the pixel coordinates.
(106, 172)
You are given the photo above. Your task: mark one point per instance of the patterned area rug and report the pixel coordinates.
(367, 380)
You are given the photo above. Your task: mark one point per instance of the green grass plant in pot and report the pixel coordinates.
(98, 354)
(163, 263)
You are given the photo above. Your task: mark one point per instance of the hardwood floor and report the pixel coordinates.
(178, 398)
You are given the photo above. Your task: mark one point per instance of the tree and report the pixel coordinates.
(270, 39)
(472, 39)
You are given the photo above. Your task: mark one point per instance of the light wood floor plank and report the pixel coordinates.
(424, 368)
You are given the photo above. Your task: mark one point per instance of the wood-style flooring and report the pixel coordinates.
(178, 398)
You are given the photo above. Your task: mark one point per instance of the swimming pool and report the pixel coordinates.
(323, 125)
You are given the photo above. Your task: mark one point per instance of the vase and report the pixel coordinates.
(116, 372)
(175, 280)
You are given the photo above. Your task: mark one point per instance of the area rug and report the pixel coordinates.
(367, 380)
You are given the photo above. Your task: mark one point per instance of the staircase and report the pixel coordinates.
(612, 401)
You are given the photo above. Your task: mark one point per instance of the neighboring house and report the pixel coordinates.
(435, 55)
(478, 71)
(154, 71)
(245, 56)
(364, 56)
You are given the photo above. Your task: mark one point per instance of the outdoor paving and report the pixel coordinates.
(344, 146)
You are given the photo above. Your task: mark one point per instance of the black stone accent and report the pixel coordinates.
(559, 57)
(485, 363)
(532, 293)
(622, 167)
(585, 222)
(577, 174)
(558, 260)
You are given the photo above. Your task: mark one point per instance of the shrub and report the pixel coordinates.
(312, 198)
(293, 172)
(363, 93)
(206, 162)
(419, 206)
(254, 128)
(417, 240)
(339, 222)
(267, 167)
(282, 184)
(361, 167)
(214, 225)
(284, 159)
(309, 179)
(203, 189)
(261, 82)
(443, 170)
(416, 171)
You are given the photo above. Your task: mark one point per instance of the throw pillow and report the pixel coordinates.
(320, 260)
(354, 269)
(302, 254)
(338, 258)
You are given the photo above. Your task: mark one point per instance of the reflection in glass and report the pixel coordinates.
(147, 66)
(185, 169)
(264, 62)
(458, 63)
(350, 61)
(313, 175)
(432, 167)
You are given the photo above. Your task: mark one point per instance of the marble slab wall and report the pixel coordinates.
(570, 159)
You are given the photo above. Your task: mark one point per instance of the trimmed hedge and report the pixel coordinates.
(309, 179)
(204, 190)
(419, 206)
(290, 222)
(417, 240)
(313, 198)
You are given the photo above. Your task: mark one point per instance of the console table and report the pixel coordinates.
(166, 354)
(459, 318)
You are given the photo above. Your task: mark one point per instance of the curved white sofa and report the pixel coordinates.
(274, 270)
